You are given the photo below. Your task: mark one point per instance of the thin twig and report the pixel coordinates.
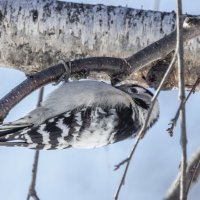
(195, 174)
(181, 75)
(143, 130)
(32, 191)
(192, 174)
(112, 66)
(40, 97)
(174, 120)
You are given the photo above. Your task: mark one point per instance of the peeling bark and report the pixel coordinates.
(37, 34)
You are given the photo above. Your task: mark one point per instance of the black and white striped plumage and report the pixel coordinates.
(82, 114)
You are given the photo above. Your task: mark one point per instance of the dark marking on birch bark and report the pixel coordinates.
(35, 15)
(47, 10)
(1, 17)
(59, 7)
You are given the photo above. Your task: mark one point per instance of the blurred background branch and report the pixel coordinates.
(32, 188)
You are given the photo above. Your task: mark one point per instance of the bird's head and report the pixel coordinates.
(142, 98)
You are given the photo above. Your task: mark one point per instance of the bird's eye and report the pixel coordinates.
(133, 90)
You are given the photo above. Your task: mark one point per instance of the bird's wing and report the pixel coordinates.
(84, 127)
(71, 96)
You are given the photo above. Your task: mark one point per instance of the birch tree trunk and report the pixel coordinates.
(37, 34)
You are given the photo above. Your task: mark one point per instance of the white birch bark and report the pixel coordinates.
(37, 34)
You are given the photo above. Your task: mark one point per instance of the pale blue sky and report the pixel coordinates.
(88, 174)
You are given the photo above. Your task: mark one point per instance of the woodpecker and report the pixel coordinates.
(82, 114)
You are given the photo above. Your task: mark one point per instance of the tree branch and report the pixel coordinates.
(32, 191)
(174, 120)
(180, 56)
(36, 34)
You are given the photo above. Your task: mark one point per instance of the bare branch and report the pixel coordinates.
(32, 191)
(180, 55)
(195, 171)
(37, 38)
(121, 163)
(174, 120)
(127, 162)
(192, 174)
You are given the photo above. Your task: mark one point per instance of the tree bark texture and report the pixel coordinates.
(37, 34)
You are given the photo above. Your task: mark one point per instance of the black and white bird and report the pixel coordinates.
(82, 114)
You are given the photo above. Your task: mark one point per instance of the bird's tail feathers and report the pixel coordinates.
(9, 131)
(10, 135)
(15, 135)
(11, 126)
(20, 123)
